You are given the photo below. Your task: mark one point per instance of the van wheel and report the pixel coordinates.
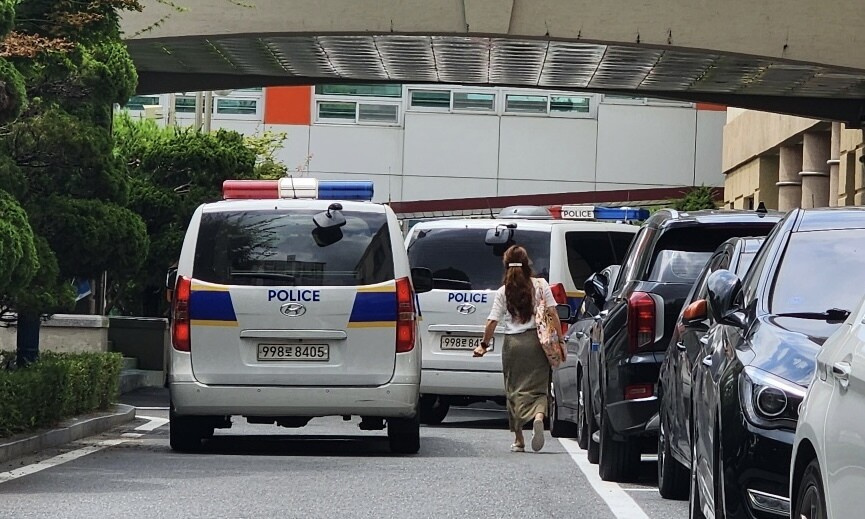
(186, 432)
(672, 475)
(582, 422)
(433, 409)
(560, 428)
(619, 460)
(593, 450)
(404, 435)
(810, 500)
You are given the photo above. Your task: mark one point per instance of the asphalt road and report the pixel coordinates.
(328, 469)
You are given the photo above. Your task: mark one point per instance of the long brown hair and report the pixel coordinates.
(518, 284)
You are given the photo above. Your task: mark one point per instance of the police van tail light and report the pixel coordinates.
(405, 316)
(180, 315)
(641, 321)
(561, 297)
(297, 188)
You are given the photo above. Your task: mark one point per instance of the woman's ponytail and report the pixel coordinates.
(518, 284)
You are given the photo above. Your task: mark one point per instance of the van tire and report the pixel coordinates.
(433, 409)
(403, 434)
(185, 433)
(619, 460)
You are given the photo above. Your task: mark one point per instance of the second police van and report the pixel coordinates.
(289, 305)
(465, 258)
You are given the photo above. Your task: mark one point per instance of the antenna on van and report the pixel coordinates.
(294, 191)
(487, 200)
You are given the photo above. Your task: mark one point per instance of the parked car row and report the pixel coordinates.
(701, 347)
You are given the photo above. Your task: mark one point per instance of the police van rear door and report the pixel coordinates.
(275, 301)
(466, 274)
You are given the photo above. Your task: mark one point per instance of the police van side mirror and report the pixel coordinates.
(171, 278)
(564, 313)
(422, 279)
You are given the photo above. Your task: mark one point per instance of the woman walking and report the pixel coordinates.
(525, 365)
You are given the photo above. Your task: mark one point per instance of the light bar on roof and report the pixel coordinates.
(298, 188)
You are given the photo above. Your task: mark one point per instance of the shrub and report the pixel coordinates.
(55, 387)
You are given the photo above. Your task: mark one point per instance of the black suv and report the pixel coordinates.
(630, 339)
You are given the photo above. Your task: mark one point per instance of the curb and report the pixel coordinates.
(68, 431)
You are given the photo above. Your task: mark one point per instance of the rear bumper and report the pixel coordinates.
(389, 400)
(462, 383)
(634, 417)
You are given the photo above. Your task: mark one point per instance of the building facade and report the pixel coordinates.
(788, 162)
(436, 145)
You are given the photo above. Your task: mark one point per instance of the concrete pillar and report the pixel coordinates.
(789, 185)
(815, 170)
(835, 165)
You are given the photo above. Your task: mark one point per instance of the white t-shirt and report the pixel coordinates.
(500, 310)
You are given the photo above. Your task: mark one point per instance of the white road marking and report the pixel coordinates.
(154, 423)
(57, 460)
(620, 503)
(640, 489)
(131, 435)
(152, 408)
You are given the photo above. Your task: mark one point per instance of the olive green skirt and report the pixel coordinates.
(527, 378)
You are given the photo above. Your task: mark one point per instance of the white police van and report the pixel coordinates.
(465, 258)
(289, 305)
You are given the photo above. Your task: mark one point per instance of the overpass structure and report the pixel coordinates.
(786, 56)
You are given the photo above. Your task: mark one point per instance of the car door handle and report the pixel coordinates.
(841, 371)
(681, 346)
(707, 361)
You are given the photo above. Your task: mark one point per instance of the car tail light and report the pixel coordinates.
(636, 391)
(561, 297)
(641, 321)
(180, 315)
(405, 316)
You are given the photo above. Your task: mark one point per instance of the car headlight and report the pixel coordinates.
(769, 401)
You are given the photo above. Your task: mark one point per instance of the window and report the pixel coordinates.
(526, 104)
(378, 113)
(351, 112)
(384, 90)
(620, 99)
(590, 252)
(273, 248)
(474, 101)
(803, 283)
(337, 111)
(137, 102)
(569, 104)
(185, 104)
(236, 106)
(439, 99)
(461, 260)
(676, 266)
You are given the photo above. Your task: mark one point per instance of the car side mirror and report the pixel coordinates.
(422, 279)
(695, 312)
(565, 313)
(596, 287)
(724, 290)
(171, 278)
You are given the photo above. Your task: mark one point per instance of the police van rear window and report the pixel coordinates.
(460, 259)
(279, 248)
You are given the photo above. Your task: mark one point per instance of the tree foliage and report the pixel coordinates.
(172, 171)
(697, 198)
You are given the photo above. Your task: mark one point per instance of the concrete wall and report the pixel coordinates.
(66, 333)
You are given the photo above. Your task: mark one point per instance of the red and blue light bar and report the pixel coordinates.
(298, 188)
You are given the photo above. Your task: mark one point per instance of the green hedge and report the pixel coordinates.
(55, 387)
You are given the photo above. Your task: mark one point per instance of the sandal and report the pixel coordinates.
(517, 448)
(538, 435)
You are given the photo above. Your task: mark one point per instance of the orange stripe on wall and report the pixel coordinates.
(711, 107)
(287, 105)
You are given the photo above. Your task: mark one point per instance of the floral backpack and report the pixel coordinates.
(548, 335)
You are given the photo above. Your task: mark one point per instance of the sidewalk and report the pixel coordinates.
(67, 431)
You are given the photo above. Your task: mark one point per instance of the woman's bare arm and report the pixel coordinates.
(489, 330)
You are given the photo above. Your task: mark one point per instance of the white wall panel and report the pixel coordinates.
(710, 137)
(637, 144)
(296, 146)
(356, 149)
(539, 187)
(451, 145)
(548, 148)
(435, 188)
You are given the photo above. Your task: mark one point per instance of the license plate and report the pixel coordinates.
(456, 342)
(314, 352)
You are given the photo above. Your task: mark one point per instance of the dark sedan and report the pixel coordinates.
(760, 357)
(685, 350)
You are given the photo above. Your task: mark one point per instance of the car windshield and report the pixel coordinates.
(277, 248)
(460, 259)
(818, 272)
